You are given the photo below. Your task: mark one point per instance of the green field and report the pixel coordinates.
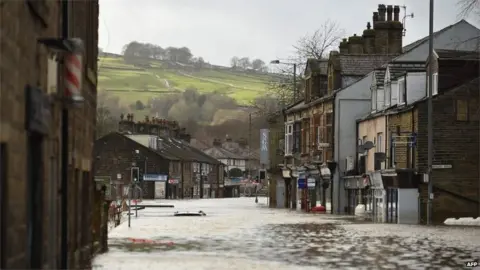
(131, 83)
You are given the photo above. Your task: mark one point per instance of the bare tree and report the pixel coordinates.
(467, 7)
(320, 42)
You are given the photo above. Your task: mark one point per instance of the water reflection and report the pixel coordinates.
(312, 244)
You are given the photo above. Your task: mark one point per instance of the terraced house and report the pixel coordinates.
(310, 138)
(168, 167)
(392, 137)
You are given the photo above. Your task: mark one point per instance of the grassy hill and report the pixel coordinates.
(152, 78)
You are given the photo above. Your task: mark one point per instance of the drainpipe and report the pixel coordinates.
(181, 179)
(64, 160)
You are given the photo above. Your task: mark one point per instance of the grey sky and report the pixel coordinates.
(267, 29)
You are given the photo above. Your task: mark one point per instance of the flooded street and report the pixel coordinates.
(239, 234)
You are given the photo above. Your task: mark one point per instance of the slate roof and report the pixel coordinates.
(221, 153)
(398, 69)
(360, 64)
(417, 43)
(298, 106)
(457, 55)
(184, 151)
(379, 75)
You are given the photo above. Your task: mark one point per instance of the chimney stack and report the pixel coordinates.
(368, 40)
(375, 17)
(344, 46)
(389, 13)
(396, 13)
(217, 142)
(381, 12)
(355, 44)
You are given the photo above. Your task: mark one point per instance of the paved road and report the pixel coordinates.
(239, 234)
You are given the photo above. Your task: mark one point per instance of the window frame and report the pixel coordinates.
(288, 134)
(402, 93)
(378, 146)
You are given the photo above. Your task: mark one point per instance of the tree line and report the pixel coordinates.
(246, 63)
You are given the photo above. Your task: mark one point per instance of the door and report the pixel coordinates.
(280, 196)
(159, 190)
(35, 200)
(3, 205)
(392, 202)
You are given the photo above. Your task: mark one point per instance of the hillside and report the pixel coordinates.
(150, 79)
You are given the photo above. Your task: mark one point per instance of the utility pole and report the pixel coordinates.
(249, 142)
(64, 158)
(430, 117)
(295, 92)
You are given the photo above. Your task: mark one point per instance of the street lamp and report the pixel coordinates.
(277, 62)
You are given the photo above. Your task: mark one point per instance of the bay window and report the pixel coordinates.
(288, 139)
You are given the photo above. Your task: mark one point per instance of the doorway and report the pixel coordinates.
(35, 200)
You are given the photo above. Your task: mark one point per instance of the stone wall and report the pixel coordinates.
(23, 61)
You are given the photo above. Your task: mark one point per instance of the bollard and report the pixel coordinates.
(136, 208)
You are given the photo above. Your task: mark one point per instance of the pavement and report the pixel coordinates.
(236, 233)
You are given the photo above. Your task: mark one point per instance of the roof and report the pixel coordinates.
(221, 153)
(317, 66)
(299, 106)
(419, 42)
(162, 153)
(456, 55)
(360, 64)
(379, 75)
(398, 69)
(201, 145)
(184, 151)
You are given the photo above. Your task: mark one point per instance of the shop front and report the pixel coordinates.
(173, 187)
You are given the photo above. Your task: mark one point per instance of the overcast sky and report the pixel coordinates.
(266, 29)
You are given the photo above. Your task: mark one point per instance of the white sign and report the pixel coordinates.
(443, 166)
(311, 182)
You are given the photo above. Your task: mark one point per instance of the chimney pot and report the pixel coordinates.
(375, 17)
(389, 13)
(396, 13)
(381, 12)
(369, 26)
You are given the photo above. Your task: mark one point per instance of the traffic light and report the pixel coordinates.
(135, 174)
(263, 175)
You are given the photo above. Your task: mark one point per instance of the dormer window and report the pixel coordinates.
(402, 91)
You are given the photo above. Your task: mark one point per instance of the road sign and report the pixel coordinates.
(311, 182)
(442, 166)
(302, 183)
(155, 177)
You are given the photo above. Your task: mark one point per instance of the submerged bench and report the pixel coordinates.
(189, 214)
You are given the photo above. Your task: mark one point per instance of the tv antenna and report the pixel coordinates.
(405, 16)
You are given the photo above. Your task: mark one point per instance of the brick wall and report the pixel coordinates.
(455, 143)
(405, 122)
(22, 62)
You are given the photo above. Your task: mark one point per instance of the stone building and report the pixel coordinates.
(310, 123)
(30, 142)
(163, 149)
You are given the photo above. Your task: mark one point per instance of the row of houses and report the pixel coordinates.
(360, 131)
(157, 154)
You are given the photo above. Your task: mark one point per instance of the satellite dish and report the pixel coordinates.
(368, 145)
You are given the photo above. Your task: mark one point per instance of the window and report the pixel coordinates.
(388, 94)
(364, 139)
(297, 137)
(379, 147)
(374, 99)
(329, 119)
(402, 91)
(320, 135)
(392, 152)
(461, 110)
(288, 139)
(329, 134)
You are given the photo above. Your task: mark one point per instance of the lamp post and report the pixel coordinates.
(277, 62)
(332, 166)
